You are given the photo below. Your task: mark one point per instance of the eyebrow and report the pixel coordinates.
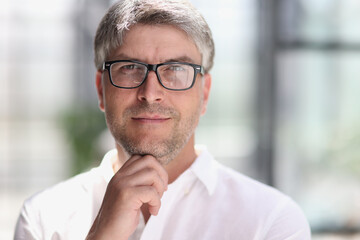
(183, 58)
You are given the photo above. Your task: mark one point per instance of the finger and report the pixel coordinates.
(137, 163)
(134, 198)
(131, 160)
(146, 177)
(150, 196)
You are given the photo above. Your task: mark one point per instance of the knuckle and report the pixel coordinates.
(150, 159)
(151, 172)
(126, 194)
(151, 190)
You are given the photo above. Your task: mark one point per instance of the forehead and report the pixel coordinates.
(155, 44)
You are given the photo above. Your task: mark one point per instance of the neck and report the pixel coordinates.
(174, 168)
(182, 161)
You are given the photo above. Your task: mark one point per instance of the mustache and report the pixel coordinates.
(153, 108)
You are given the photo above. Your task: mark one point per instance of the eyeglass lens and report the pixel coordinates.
(172, 76)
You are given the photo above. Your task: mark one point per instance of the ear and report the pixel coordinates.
(206, 92)
(100, 90)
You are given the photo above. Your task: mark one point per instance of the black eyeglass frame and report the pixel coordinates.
(153, 67)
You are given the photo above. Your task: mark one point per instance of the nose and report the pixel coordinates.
(151, 90)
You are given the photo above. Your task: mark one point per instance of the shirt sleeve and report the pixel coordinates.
(26, 229)
(288, 222)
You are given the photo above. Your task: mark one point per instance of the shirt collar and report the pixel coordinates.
(204, 167)
(106, 165)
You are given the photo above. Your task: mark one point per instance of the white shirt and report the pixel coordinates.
(208, 201)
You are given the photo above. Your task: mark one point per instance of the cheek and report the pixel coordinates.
(191, 107)
(115, 101)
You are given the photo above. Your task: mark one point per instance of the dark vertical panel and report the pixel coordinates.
(89, 14)
(266, 89)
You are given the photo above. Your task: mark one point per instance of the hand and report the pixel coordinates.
(141, 180)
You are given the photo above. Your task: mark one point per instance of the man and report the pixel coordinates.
(153, 84)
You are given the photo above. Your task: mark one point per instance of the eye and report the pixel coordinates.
(175, 68)
(131, 67)
(127, 68)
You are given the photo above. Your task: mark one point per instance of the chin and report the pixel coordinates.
(164, 151)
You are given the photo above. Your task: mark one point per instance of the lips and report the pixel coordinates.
(150, 119)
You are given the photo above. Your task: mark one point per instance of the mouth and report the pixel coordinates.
(150, 119)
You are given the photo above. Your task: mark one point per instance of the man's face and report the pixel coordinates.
(151, 119)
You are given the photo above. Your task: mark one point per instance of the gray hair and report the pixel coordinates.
(126, 13)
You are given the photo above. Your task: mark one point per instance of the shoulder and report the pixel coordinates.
(245, 186)
(262, 205)
(67, 209)
(250, 192)
(70, 190)
(51, 210)
(54, 210)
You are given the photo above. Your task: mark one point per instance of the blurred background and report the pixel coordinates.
(284, 108)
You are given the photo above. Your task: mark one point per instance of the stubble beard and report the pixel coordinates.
(165, 149)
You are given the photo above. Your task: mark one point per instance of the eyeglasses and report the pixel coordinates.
(128, 74)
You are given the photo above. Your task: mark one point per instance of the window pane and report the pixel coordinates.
(229, 119)
(318, 134)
